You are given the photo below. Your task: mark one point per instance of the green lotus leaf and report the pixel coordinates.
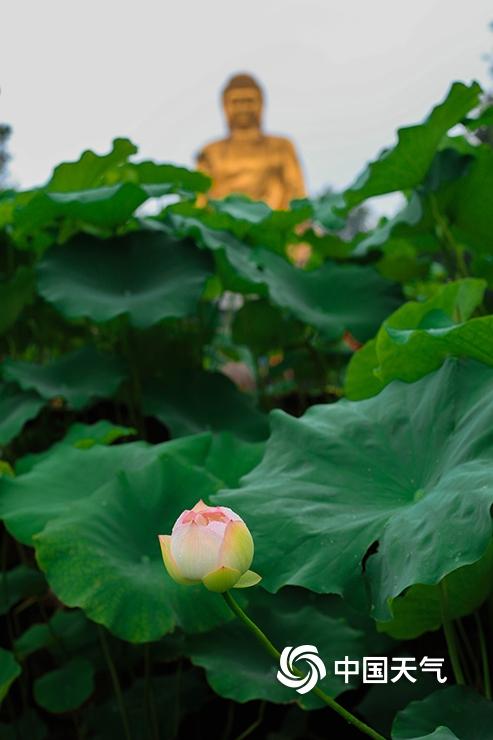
(234, 264)
(441, 733)
(17, 584)
(405, 165)
(419, 336)
(103, 207)
(407, 473)
(15, 294)
(102, 190)
(264, 327)
(419, 609)
(16, 407)
(103, 554)
(197, 401)
(230, 458)
(79, 377)
(241, 208)
(458, 709)
(178, 179)
(91, 169)
(78, 435)
(67, 474)
(9, 671)
(380, 705)
(66, 629)
(145, 275)
(239, 668)
(470, 213)
(332, 298)
(66, 688)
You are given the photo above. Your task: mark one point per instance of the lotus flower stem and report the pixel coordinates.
(450, 636)
(116, 683)
(274, 652)
(484, 657)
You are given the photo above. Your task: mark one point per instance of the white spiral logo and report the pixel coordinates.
(302, 684)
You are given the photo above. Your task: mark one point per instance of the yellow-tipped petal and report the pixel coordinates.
(250, 578)
(221, 579)
(237, 547)
(169, 561)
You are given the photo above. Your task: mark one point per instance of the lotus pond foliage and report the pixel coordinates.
(155, 353)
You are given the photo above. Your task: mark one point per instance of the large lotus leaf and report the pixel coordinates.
(234, 260)
(16, 407)
(104, 207)
(15, 294)
(241, 208)
(457, 708)
(103, 554)
(255, 222)
(65, 688)
(178, 179)
(239, 668)
(230, 458)
(17, 584)
(96, 170)
(79, 377)
(264, 327)
(78, 435)
(148, 276)
(65, 628)
(413, 225)
(196, 401)
(109, 206)
(57, 480)
(91, 169)
(418, 337)
(332, 298)
(419, 609)
(9, 670)
(441, 733)
(103, 190)
(471, 212)
(325, 209)
(409, 469)
(380, 705)
(405, 165)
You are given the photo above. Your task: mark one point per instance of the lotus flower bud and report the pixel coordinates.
(210, 545)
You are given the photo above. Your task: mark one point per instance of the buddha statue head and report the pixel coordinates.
(243, 103)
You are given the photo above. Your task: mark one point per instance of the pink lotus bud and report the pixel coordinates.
(212, 545)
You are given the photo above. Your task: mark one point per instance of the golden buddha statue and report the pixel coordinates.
(249, 162)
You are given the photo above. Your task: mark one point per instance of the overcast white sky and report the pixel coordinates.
(340, 76)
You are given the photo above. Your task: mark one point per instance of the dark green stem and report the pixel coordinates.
(274, 652)
(149, 693)
(484, 657)
(450, 637)
(467, 655)
(256, 723)
(116, 683)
